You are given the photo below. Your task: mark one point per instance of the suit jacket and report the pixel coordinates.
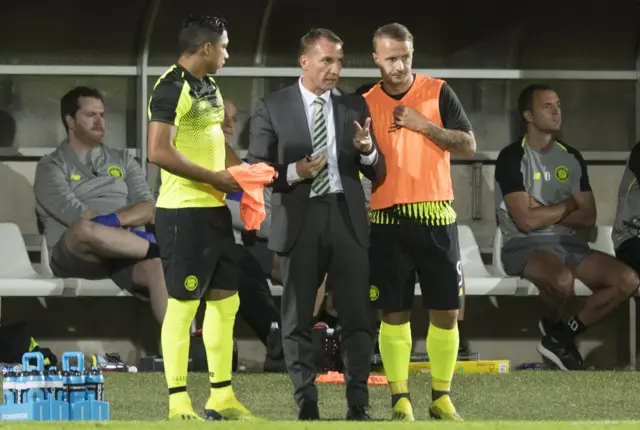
(279, 135)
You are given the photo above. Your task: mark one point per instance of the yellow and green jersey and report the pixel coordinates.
(195, 107)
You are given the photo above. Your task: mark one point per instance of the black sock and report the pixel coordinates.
(435, 394)
(571, 329)
(396, 397)
(153, 251)
(575, 325)
(551, 325)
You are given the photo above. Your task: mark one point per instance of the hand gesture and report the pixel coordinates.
(409, 118)
(224, 181)
(362, 139)
(308, 168)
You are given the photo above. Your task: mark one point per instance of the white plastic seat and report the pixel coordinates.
(602, 241)
(478, 280)
(79, 286)
(17, 275)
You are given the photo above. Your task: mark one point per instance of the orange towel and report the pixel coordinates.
(252, 178)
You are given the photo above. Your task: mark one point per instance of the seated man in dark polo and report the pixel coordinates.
(91, 200)
(543, 200)
(626, 228)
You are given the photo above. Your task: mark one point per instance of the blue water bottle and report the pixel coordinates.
(35, 385)
(73, 378)
(95, 385)
(21, 384)
(66, 377)
(76, 386)
(54, 384)
(89, 387)
(9, 379)
(35, 380)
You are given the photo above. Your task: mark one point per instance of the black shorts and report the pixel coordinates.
(399, 251)
(629, 253)
(198, 251)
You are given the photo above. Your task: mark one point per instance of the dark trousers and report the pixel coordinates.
(327, 244)
(257, 306)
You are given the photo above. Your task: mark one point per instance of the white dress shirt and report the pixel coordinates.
(335, 184)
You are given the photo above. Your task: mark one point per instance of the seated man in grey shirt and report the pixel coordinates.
(543, 199)
(90, 199)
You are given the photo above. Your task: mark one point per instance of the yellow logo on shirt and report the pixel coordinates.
(74, 177)
(562, 174)
(191, 283)
(115, 171)
(374, 293)
(536, 176)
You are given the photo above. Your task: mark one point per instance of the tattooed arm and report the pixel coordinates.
(455, 136)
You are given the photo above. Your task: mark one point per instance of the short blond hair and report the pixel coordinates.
(394, 31)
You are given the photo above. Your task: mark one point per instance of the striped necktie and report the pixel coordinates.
(320, 184)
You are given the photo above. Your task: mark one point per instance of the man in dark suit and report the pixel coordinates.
(319, 142)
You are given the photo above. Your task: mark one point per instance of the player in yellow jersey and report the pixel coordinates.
(193, 223)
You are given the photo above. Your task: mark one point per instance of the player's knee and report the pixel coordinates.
(396, 318)
(445, 320)
(217, 294)
(81, 233)
(628, 282)
(562, 283)
(150, 274)
(154, 268)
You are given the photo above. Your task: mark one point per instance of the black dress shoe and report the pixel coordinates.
(309, 411)
(358, 413)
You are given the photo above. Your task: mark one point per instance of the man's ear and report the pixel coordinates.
(69, 120)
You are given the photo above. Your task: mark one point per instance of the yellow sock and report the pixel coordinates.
(395, 349)
(442, 347)
(217, 333)
(175, 339)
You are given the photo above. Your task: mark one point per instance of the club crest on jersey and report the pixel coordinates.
(562, 174)
(115, 171)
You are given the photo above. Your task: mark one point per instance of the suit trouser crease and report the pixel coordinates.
(327, 243)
